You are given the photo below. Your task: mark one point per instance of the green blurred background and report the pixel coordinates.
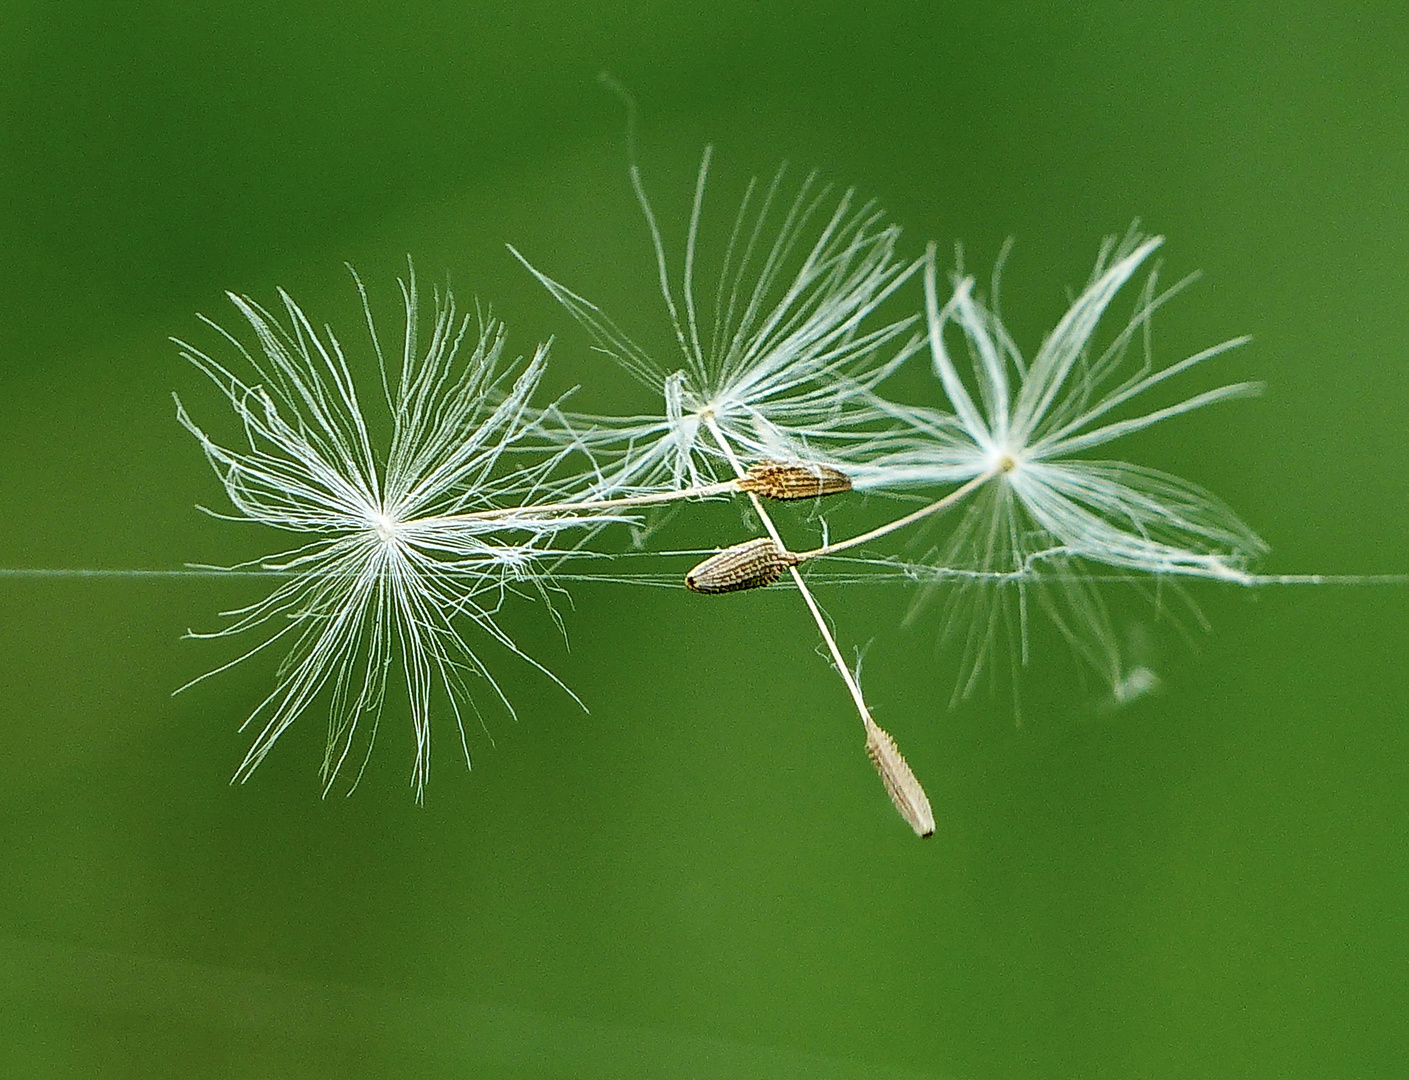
(702, 877)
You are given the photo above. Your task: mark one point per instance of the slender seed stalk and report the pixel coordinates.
(703, 491)
(935, 507)
(901, 784)
(772, 479)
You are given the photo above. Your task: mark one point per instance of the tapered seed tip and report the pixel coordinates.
(901, 784)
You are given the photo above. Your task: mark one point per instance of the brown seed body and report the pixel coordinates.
(901, 784)
(791, 480)
(750, 565)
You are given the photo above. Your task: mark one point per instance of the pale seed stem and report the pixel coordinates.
(901, 784)
(771, 479)
(703, 491)
(938, 506)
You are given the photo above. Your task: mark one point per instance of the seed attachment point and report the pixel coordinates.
(793, 480)
(750, 565)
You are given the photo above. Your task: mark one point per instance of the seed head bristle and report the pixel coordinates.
(901, 783)
(750, 565)
(793, 480)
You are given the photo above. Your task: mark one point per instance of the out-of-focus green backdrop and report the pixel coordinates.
(702, 877)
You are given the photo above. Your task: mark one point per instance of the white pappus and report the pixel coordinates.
(411, 538)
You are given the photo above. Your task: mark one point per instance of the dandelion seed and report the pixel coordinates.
(900, 782)
(409, 538)
(788, 481)
(1038, 511)
(786, 372)
(750, 565)
(784, 367)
